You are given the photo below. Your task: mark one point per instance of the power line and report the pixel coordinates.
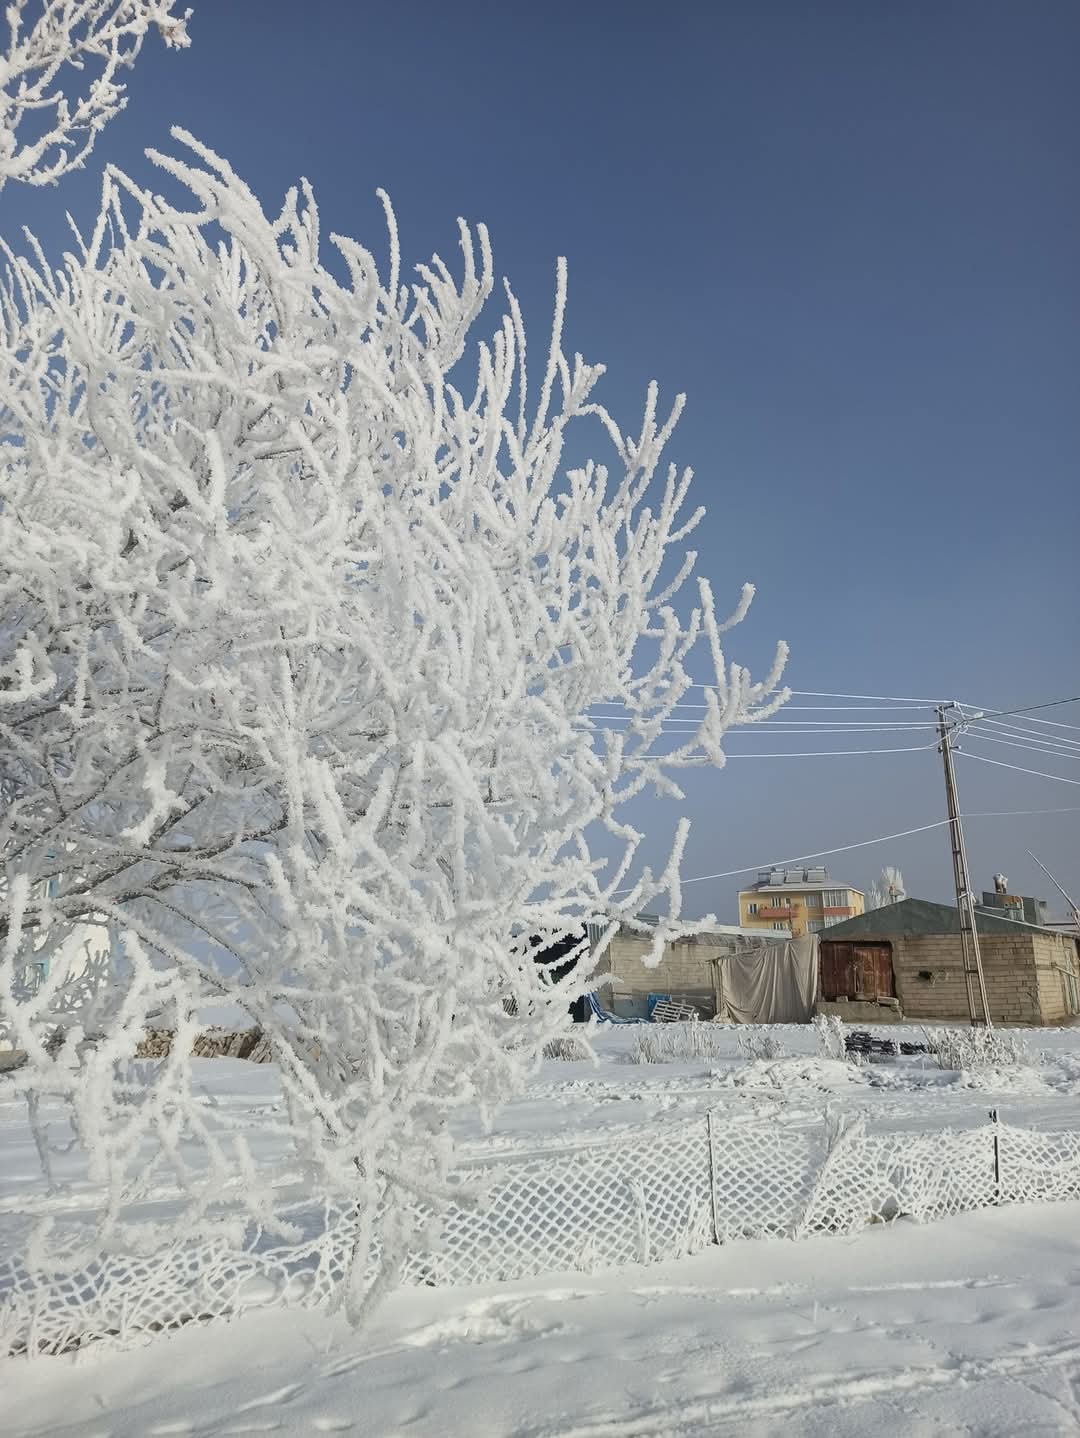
(669, 726)
(794, 726)
(1000, 764)
(1018, 813)
(865, 843)
(827, 694)
(817, 854)
(836, 753)
(809, 708)
(830, 753)
(1030, 708)
(838, 726)
(1025, 732)
(977, 733)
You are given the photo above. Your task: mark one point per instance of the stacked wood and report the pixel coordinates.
(247, 1044)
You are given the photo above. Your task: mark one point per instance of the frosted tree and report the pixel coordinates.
(306, 620)
(44, 132)
(889, 889)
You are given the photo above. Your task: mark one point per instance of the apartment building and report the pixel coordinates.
(802, 901)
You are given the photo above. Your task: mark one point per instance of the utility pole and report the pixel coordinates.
(965, 900)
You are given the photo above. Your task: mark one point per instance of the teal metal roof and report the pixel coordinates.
(914, 917)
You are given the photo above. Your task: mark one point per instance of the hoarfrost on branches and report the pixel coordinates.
(303, 635)
(889, 889)
(63, 38)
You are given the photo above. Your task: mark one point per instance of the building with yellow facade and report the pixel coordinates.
(803, 901)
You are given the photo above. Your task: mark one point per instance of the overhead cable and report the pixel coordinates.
(977, 733)
(1000, 764)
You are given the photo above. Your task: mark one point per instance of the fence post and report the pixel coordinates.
(712, 1173)
(637, 1193)
(997, 1155)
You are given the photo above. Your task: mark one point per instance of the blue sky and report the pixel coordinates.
(848, 231)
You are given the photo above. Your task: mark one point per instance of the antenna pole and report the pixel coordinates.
(1057, 886)
(965, 900)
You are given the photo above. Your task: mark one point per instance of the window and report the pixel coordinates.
(779, 924)
(832, 919)
(815, 926)
(836, 898)
(813, 901)
(751, 908)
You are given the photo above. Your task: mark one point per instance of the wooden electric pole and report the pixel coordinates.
(965, 899)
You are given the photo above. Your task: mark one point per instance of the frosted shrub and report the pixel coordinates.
(975, 1048)
(830, 1035)
(64, 42)
(302, 634)
(757, 1044)
(567, 1048)
(675, 1043)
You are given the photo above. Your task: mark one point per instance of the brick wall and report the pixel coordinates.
(684, 971)
(1023, 984)
(1055, 956)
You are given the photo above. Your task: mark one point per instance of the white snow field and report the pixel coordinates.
(969, 1325)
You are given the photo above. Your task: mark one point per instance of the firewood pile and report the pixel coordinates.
(861, 1042)
(247, 1044)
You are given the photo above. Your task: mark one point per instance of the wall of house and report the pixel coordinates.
(1056, 959)
(1024, 983)
(683, 972)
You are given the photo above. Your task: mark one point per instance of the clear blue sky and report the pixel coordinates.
(847, 230)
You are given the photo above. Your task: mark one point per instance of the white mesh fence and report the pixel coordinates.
(651, 1195)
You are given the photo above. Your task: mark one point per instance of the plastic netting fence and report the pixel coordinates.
(655, 1194)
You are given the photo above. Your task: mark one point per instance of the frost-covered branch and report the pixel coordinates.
(889, 889)
(44, 131)
(304, 618)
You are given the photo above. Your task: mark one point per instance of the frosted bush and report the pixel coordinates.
(830, 1035)
(302, 634)
(567, 1048)
(755, 1044)
(963, 1049)
(45, 129)
(675, 1043)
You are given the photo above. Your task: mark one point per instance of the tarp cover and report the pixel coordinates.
(768, 983)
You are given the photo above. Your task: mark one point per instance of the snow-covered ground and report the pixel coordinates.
(909, 1093)
(971, 1325)
(585, 1099)
(968, 1327)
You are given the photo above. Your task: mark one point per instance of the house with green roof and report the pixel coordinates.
(908, 957)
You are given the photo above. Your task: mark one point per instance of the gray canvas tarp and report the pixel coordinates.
(768, 983)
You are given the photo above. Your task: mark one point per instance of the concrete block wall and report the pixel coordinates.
(1055, 956)
(1020, 982)
(683, 971)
